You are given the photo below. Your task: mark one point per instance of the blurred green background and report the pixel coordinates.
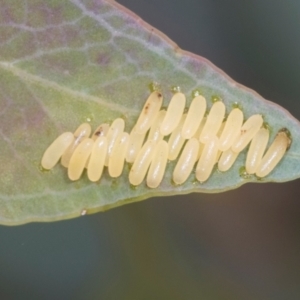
(242, 244)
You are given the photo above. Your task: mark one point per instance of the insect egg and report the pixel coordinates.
(227, 159)
(213, 122)
(256, 150)
(218, 136)
(274, 154)
(154, 133)
(200, 128)
(97, 158)
(173, 114)
(158, 165)
(79, 158)
(186, 161)
(201, 147)
(141, 164)
(81, 133)
(197, 136)
(248, 131)
(56, 150)
(194, 117)
(149, 112)
(100, 131)
(117, 157)
(232, 129)
(176, 140)
(116, 128)
(208, 139)
(135, 142)
(208, 159)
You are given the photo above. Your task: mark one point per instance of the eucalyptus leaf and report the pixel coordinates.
(67, 62)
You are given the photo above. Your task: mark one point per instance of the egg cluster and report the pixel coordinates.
(195, 138)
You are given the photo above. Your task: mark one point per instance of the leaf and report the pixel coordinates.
(67, 62)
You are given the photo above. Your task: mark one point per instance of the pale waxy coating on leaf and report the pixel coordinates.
(92, 61)
(213, 122)
(56, 150)
(256, 150)
(174, 113)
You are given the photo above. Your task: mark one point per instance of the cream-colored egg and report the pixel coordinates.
(116, 128)
(81, 133)
(207, 159)
(56, 150)
(96, 161)
(174, 113)
(186, 161)
(219, 133)
(200, 128)
(176, 140)
(141, 164)
(232, 129)
(117, 157)
(154, 132)
(194, 117)
(158, 165)
(79, 159)
(134, 145)
(100, 131)
(213, 121)
(274, 154)
(256, 150)
(149, 112)
(227, 159)
(248, 131)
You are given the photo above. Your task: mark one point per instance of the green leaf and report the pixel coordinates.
(67, 62)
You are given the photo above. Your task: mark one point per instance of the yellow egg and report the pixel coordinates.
(56, 150)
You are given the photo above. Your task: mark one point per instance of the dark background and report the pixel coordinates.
(242, 244)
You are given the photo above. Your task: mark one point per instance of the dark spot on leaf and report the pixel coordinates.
(103, 59)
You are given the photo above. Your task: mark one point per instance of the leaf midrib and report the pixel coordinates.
(30, 78)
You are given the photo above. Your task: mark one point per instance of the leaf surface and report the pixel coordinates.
(67, 62)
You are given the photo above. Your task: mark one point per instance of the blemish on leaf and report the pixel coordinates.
(243, 173)
(215, 98)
